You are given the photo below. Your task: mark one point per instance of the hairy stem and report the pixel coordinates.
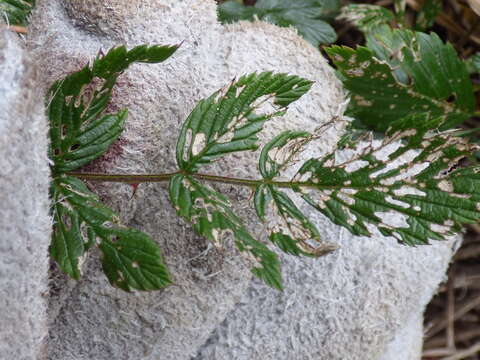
(140, 178)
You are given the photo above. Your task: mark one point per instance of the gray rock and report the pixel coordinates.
(91, 319)
(348, 305)
(364, 301)
(24, 221)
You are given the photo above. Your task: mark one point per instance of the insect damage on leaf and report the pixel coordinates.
(430, 80)
(79, 133)
(131, 260)
(227, 121)
(287, 226)
(366, 17)
(212, 217)
(406, 185)
(79, 130)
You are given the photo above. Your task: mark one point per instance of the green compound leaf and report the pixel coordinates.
(305, 15)
(79, 131)
(437, 82)
(412, 173)
(131, 260)
(15, 12)
(211, 215)
(226, 122)
(366, 18)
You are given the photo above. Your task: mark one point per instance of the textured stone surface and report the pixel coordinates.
(408, 340)
(95, 320)
(24, 220)
(348, 305)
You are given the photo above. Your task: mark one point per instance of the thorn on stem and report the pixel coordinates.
(134, 188)
(17, 29)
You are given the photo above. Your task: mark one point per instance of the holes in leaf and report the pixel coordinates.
(74, 147)
(67, 222)
(63, 131)
(451, 99)
(188, 144)
(447, 171)
(409, 81)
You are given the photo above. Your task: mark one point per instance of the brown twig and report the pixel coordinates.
(446, 22)
(460, 336)
(450, 318)
(468, 305)
(474, 227)
(435, 353)
(468, 252)
(17, 29)
(472, 29)
(462, 354)
(469, 282)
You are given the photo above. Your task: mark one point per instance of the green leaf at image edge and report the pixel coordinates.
(438, 86)
(307, 16)
(15, 12)
(411, 174)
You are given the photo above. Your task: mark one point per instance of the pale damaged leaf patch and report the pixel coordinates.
(227, 121)
(281, 151)
(402, 73)
(407, 185)
(287, 226)
(366, 17)
(210, 213)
